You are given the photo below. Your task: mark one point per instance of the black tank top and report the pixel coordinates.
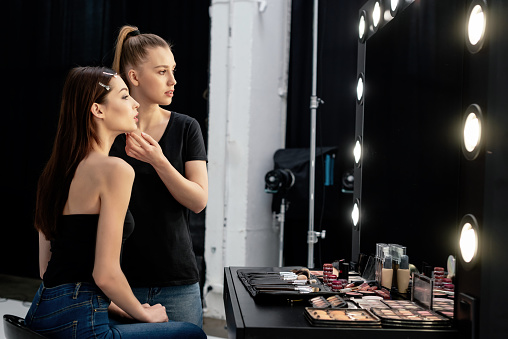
(73, 250)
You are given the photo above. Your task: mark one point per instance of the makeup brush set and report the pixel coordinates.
(294, 284)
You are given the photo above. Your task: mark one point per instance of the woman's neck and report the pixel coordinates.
(149, 116)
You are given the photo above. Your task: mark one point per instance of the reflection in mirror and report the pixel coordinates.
(409, 127)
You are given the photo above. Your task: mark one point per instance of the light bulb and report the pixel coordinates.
(468, 242)
(376, 14)
(394, 4)
(476, 25)
(472, 132)
(357, 152)
(355, 215)
(361, 27)
(359, 89)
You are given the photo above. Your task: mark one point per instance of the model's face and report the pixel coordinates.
(156, 76)
(120, 109)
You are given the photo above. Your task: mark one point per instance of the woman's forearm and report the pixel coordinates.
(190, 194)
(117, 289)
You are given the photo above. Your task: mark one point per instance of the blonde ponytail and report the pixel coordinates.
(122, 36)
(131, 48)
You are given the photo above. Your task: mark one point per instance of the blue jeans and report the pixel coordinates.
(80, 310)
(183, 302)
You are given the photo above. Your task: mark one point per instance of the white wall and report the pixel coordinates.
(247, 121)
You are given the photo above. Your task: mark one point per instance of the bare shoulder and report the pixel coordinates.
(113, 167)
(111, 170)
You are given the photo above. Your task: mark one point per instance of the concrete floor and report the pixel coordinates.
(16, 294)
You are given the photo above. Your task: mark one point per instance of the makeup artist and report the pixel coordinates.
(168, 155)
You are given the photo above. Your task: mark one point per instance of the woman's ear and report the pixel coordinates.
(96, 111)
(132, 77)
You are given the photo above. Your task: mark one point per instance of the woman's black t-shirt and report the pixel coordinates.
(159, 251)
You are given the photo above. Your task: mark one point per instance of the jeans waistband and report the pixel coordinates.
(74, 288)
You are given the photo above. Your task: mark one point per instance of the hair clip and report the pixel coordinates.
(105, 86)
(113, 75)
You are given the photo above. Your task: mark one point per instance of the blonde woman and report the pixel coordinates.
(168, 155)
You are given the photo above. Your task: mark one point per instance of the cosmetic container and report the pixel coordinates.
(403, 274)
(387, 272)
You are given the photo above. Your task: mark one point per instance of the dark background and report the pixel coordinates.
(49, 37)
(44, 41)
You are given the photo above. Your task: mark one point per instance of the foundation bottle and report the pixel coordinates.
(403, 274)
(387, 272)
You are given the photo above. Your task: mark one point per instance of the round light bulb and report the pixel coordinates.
(472, 132)
(359, 89)
(476, 25)
(376, 14)
(355, 215)
(361, 27)
(468, 242)
(357, 152)
(394, 4)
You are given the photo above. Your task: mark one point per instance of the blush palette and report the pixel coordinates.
(341, 317)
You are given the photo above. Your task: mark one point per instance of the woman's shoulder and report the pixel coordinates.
(117, 166)
(110, 168)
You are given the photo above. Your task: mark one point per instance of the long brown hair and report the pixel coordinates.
(132, 48)
(74, 139)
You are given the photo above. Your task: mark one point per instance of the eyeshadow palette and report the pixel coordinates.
(443, 306)
(341, 317)
(414, 318)
(403, 304)
(369, 303)
(333, 302)
(320, 302)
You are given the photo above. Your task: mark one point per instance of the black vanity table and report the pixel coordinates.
(247, 319)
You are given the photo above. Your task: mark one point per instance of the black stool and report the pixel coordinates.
(14, 328)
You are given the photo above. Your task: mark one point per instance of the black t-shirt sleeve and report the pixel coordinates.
(195, 145)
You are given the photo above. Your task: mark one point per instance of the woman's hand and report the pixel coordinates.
(143, 148)
(191, 191)
(156, 313)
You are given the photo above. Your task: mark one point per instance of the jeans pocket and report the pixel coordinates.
(102, 303)
(67, 330)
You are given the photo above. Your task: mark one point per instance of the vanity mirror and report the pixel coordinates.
(408, 127)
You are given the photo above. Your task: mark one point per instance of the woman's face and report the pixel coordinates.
(156, 77)
(119, 108)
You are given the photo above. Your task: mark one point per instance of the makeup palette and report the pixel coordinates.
(414, 318)
(367, 304)
(402, 304)
(341, 317)
(334, 302)
(444, 307)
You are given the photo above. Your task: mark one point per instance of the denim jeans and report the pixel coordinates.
(80, 310)
(183, 302)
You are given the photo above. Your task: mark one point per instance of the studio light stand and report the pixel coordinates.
(312, 236)
(280, 181)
